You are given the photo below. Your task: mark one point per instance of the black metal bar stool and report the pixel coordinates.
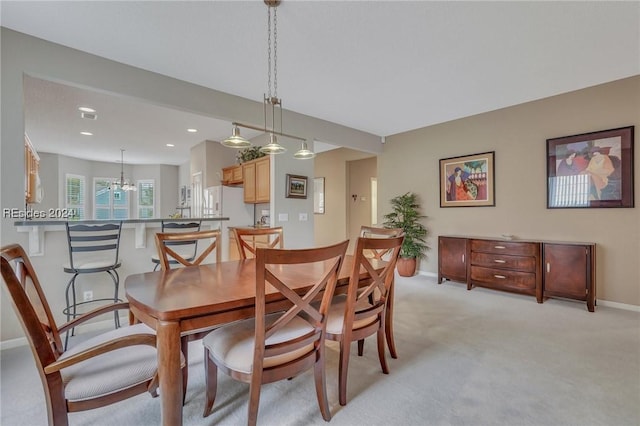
(92, 249)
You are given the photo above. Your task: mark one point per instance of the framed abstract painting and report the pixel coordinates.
(591, 169)
(468, 181)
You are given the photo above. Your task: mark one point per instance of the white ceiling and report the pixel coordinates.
(380, 66)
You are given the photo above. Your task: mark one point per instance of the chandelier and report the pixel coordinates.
(121, 184)
(271, 104)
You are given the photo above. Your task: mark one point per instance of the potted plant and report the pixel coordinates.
(406, 215)
(249, 154)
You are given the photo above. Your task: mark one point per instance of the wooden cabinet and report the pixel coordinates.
(257, 180)
(569, 271)
(538, 268)
(232, 175)
(511, 266)
(452, 259)
(31, 166)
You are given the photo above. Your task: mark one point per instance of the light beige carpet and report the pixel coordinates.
(478, 357)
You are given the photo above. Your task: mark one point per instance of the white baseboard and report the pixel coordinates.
(85, 328)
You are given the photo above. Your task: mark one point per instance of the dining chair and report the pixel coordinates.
(92, 249)
(165, 244)
(362, 311)
(249, 239)
(281, 345)
(186, 249)
(102, 370)
(373, 232)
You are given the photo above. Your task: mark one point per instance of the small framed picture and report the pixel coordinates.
(591, 170)
(296, 186)
(468, 181)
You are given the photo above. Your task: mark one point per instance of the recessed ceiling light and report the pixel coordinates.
(170, 145)
(86, 133)
(86, 109)
(192, 130)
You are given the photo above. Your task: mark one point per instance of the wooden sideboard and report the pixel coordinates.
(538, 268)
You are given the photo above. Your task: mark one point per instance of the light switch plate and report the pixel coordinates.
(302, 217)
(283, 217)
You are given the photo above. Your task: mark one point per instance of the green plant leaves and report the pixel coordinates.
(406, 215)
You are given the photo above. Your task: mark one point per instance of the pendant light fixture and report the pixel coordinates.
(271, 103)
(122, 184)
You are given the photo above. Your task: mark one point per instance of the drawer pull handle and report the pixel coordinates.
(548, 267)
(500, 261)
(500, 276)
(463, 258)
(500, 247)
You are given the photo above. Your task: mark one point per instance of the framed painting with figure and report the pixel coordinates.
(591, 169)
(468, 181)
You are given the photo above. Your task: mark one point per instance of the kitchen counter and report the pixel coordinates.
(37, 228)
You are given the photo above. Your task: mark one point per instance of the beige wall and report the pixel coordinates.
(360, 173)
(518, 137)
(331, 227)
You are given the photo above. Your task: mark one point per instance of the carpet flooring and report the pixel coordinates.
(478, 357)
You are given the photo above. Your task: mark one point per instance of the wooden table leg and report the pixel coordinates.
(389, 323)
(170, 373)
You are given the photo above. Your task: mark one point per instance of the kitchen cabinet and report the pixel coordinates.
(452, 259)
(232, 175)
(257, 241)
(257, 180)
(569, 271)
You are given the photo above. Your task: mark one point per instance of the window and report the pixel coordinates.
(146, 199)
(109, 203)
(74, 196)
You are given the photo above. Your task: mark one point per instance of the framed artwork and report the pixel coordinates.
(468, 181)
(318, 195)
(296, 186)
(591, 169)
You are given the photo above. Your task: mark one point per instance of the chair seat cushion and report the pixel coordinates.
(335, 321)
(112, 371)
(232, 345)
(91, 263)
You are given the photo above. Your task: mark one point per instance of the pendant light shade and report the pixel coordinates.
(304, 153)
(273, 147)
(235, 140)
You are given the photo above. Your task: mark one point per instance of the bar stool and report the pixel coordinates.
(185, 249)
(92, 249)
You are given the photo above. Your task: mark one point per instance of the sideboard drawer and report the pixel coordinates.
(501, 278)
(490, 260)
(505, 247)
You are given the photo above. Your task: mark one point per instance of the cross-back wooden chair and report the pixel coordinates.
(187, 249)
(102, 370)
(362, 311)
(249, 239)
(373, 232)
(281, 345)
(165, 244)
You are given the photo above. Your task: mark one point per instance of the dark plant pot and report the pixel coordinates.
(406, 266)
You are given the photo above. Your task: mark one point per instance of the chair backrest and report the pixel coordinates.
(166, 242)
(186, 227)
(248, 239)
(372, 232)
(379, 285)
(30, 305)
(85, 241)
(285, 270)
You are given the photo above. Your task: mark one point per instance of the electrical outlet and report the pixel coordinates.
(88, 296)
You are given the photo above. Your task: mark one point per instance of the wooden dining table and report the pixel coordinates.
(200, 297)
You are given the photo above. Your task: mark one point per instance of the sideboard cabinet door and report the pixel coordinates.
(452, 259)
(569, 271)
